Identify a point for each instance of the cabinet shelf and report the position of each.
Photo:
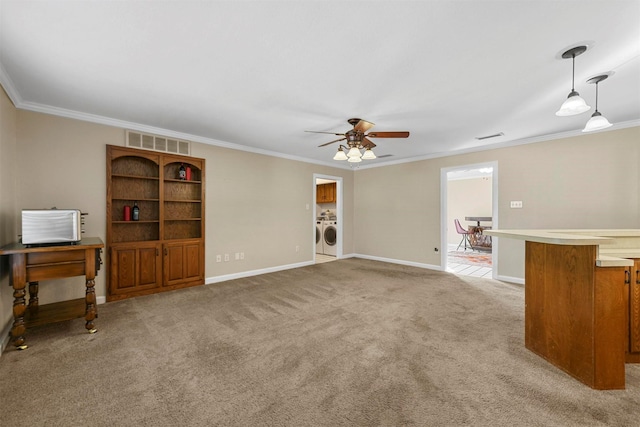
(183, 201)
(132, 199)
(152, 178)
(136, 222)
(182, 181)
(183, 219)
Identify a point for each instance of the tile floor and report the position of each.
(469, 270)
(320, 258)
(463, 269)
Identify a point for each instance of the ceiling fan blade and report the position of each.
(330, 133)
(388, 134)
(331, 142)
(363, 125)
(367, 143)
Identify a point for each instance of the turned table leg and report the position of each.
(18, 282)
(33, 297)
(90, 297)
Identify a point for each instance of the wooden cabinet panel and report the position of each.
(134, 268)
(171, 207)
(326, 193)
(183, 262)
(634, 309)
(572, 313)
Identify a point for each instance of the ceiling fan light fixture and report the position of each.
(354, 160)
(574, 104)
(368, 154)
(354, 153)
(340, 155)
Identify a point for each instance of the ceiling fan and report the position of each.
(357, 135)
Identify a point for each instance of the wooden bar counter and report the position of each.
(578, 309)
(33, 264)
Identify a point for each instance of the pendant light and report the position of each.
(574, 103)
(340, 155)
(354, 153)
(368, 154)
(597, 120)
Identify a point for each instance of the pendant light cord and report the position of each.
(596, 97)
(573, 72)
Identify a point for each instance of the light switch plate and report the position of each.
(517, 204)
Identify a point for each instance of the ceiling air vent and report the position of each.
(158, 143)
(495, 135)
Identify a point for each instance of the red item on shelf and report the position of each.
(188, 173)
(127, 213)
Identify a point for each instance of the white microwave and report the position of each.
(42, 226)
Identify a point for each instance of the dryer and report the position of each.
(319, 237)
(330, 237)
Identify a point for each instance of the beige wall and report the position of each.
(587, 181)
(256, 204)
(8, 216)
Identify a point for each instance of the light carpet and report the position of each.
(348, 343)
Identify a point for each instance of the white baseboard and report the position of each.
(101, 300)
(400, 261)
(516, 280)
(243, 274)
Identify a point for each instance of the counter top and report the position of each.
(617, 253)
(558, 237)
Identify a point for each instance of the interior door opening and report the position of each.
(469, 206)
(327, 218)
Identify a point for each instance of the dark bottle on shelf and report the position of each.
(135, 212)
(182, 172)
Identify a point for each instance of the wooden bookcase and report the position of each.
(164, 250)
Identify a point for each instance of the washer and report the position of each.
(319, 239)
(330, 237)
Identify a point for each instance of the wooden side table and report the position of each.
(33, 264)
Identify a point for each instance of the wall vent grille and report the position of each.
(158, 143)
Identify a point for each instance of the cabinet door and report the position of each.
(134, 268)
(320, 193)
(183, 262)
(634, 308)
(330, 193)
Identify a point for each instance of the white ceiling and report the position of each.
(255, 75)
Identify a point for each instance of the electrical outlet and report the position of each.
(241, 255)
(237, 256)
(226, 257)
(516, 204)
(297, 248)
(218, 258)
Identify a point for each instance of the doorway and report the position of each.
(469, 195)
(327, 218)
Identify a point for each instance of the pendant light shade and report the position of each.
(597, 120)
(340, 155)
(368, 154)
(354, 159)
(574, 103)
(353, 153)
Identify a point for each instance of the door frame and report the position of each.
(444, 224)
(339, 213)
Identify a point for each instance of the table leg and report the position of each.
(18, 282)
(33, 297)
(19, 308)
(91, 311)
